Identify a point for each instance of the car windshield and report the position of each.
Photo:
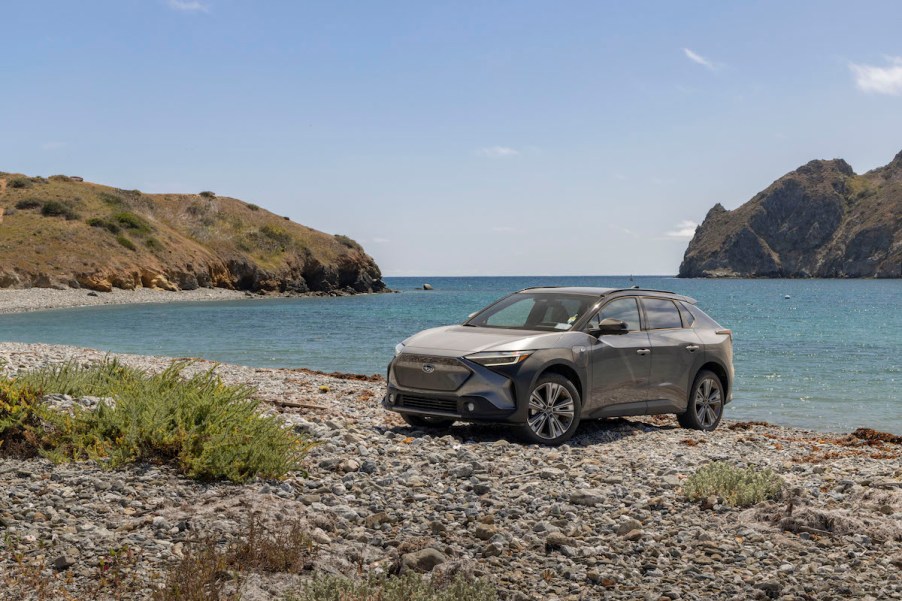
(534, 311)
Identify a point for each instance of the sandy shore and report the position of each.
(603, 517)
(39, 299)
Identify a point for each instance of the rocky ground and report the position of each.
(603, 517)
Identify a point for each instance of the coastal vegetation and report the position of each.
(206, 429)
(738, 487)
(62, 232)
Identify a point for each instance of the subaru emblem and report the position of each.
(428, 368)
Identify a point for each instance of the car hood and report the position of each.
(466, 339)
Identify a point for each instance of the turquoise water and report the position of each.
(828, 358)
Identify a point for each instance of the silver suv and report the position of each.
(545, 358)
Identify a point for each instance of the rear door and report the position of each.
(674, 352)
(619, 364)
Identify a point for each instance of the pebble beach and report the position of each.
(603, 517)
(40, 299)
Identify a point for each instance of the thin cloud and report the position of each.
(698, 59)
(498, 152)
(503, 229)
(879, 80)
(189, 6)
(685, 230)
(381, 240)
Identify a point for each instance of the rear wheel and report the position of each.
(705, 407)
(425, 421)
(554, 408)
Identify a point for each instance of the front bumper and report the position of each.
(457, 389)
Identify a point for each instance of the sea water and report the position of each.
(822, 354)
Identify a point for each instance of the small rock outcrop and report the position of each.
(821, 220)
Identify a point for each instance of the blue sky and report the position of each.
(456, 138)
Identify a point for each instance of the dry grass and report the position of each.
(212, 571)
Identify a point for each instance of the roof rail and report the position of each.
(645, 290)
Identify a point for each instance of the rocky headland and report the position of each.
(604, 517)
(62, 232)
(820, 221)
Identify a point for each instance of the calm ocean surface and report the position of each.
(828, 358)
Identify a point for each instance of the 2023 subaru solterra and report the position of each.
(543, 359)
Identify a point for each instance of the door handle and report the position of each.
(643, 351)
(692, 348)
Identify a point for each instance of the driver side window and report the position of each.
(622, 309)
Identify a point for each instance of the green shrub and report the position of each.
(60, 178)
(738, 487)
(110, 199)
(55, 208)
(19, 182)
(153, 244)
(132, 222)
(253, 207)
(105, 224)
(121, 239)
(207, 194)
(20, 419)
(207, 429)
(409, 587)
(29, 203)
(348, 242)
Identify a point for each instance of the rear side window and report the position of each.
(688, 318)
(661, 314)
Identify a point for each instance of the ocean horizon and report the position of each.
(825, 358)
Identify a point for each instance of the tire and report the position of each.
(423, 421)
(554, 411)
(706, 399)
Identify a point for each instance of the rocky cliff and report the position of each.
(62, 232)
(821, 220)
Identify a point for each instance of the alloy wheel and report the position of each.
(551, 410)
(708, 402)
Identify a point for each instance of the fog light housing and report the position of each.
(471, 406)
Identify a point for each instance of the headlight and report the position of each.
(398, 348)
(498, 358)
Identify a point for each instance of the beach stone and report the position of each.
(422, 561)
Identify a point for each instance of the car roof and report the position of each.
(601, 292)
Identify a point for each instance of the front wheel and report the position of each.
(705, 408)
(554, 408)
(425, 421)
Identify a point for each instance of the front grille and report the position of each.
(428, 404)
(427, 372)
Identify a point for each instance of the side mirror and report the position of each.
(609, 326)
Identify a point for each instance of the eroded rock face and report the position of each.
(821, 220)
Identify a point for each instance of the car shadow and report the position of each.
(589, 433)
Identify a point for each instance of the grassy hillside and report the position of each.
(60, 232)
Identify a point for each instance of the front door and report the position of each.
(619, 364)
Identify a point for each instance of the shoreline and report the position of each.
(601, 517)
(26, 300)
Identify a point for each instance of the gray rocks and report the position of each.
(588, 497)
(422, 561)
(596, 520)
